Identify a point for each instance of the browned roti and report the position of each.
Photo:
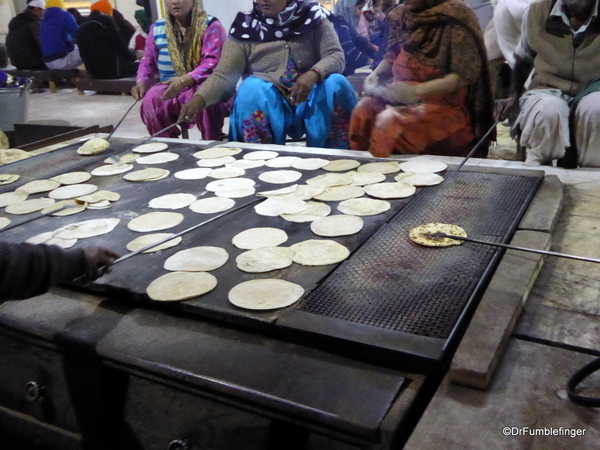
(419, 234)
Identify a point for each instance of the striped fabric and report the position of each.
(165, 67)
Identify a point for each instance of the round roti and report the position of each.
(37, 186)
(423, 166)
(277, 192)
(149, 239)
(216, 152)
(338, 225)
(313, 211)
(259, 237)
(246, 164)
(176, 286)
(261, 154)
(29, 206)
(419, 234)
(155, 221)
(151, 147)
(7, 178)
(230, 183)
(380, 167)
(364, 178)
(111, 169)
(280, 176)
(420, 179)
(319, 252)
(212, 205)
(235, 192)
(150, 174)
(304, 192)
(193, 174)
(197, 259)
(264, 259)
(72, 177)
(157, 158)
(123, 159)
(8, 198)
(281, 162)
(265, 294)
(72, 191)
(172, 201)
(70, 207)
(275, 206)
(215, 162)
(49, 238)
(226, 172)
(4, 222)
(338, 193)
(99, 196)
(363, 206)
(87, 228)
(397, 189)
(341, 165)
(93, 146)
(310, 163)
(330, 180)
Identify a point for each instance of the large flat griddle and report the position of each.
(385, 244)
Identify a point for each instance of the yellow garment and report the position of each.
(185, 50)
(55, 4)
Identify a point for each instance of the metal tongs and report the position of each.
(512, 247)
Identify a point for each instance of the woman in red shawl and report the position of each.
(431, 94)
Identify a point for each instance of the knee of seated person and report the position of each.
(251, 86)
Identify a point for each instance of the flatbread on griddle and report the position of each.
(93, 146)
(418, 234)
(7, 178)
(37, 186)
(397, 189)
(215, 162)
(72, 177)
(172, 201)
(148, 239)
(259, 237)
(264, 259)
(72, 191)
(149, 174)
(151, 147)
(216, 152)
(337, 225)
(177, 286)
(197, 259)
(212, 205)
(264, 294)
(313, 211)
(111, 169)
(157, 158)
(363, 206)
(423, 166)
(155, 221)
(319, 252)
(4, 222)
(197, 173)
(280, 176)
(341, 165)
(87, 228)
(8, 198)
(29, 206)
(380, 167)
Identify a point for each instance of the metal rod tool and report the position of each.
(514, 247)
(122, 119)
(39, 216)
(481, 141)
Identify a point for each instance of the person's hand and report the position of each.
(303, 86)
(398, 93)
(371, 84)
(504, 107)
(138, 91)
(98, 262)
(190, 109)
(175, 88)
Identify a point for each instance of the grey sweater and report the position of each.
(319, 49)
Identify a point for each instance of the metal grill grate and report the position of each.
(395, 284)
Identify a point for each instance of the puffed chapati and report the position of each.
(264, 259)
(310, 163)
(111, 169)
(93, 146)
(87, 228)
(4, 141)
(98, 196)
(155, 221)
(72, 177)
(330, 180)
(216, 152)
(275, 206)
(338, 225)
(13, 155)
(364, 178)
(172, 201)
(226, 172)
(380, 167)
(253, 238)
(8, 198)
(4, 221)
(265, 294)
(29, 206)
(149, 239)
(419, 234)
(319, 252)
(70, 207)
(177, 286)
(37, 186)
(215, 162)
(7, 178)
(280, 176)
(49, 238)
(423, 166)
(341, 165)
(197, 259)
(363, 206)
(313, 211)
(149, 174)
(72, 191)
(281, 162)
(261, 154)
(198, 173)
(157, 158)
(151, 147)
(420, 179)
(212, 205)
(396, 189)
(339, 193)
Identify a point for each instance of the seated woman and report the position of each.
(291, 60)
(101, 46)
(183, 49)
(357, 50)
(439, 100)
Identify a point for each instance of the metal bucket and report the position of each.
(14, 105)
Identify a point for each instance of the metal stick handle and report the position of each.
(179, 122)
(122, 119)
(481, 141)
(522, 249)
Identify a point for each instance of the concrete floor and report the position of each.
(557, 332)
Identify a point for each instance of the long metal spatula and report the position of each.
(513, 247)
(122, 119)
